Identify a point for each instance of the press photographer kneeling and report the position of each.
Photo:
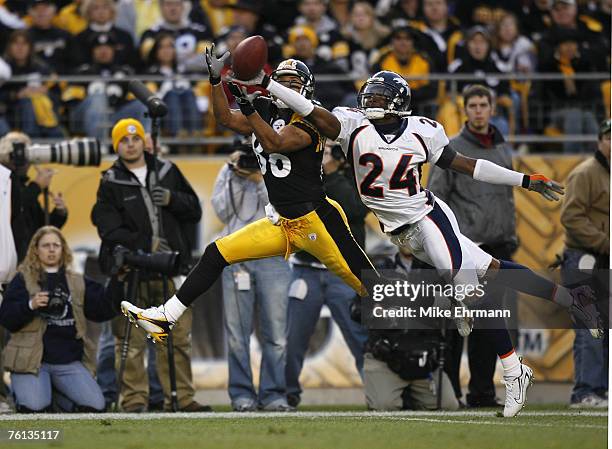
(46, 307)
(401, 365)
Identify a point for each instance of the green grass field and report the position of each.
(537, 427)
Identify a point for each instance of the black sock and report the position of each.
(519, 277)
(203, 275)
(501, 341)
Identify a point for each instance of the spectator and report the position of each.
(248, 15)
(191, 38)
(49, 352)
(183, 115)
(137, 16)
(340, 11)
(94, 105)
(32, 102)
(402, 11)
(513, 52)
(365, 34)
(50, 43)
(443, 32)
(585, 215)
(535, 18)
(170, 206)
(332, 46)
(602, 14)
(484, 12)
(485, 213)
(303, 42)
(393, 377)
(313, 285)
(27, 216)
(9, 22)
(587, 31)
(478, 61)
(252, 288)
(404, 58)
(70, 18)
(215, 12)
(571, 100)
(100, 16)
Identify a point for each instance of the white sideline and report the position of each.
(434, 416)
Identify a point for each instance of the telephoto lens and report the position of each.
(78, 152)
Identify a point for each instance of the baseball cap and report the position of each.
(604, 128)
(102, 39)
(126, 127)
(478, 29)
(567, 2)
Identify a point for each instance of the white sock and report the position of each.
(174, 308)
(511, 365)
(563, 297)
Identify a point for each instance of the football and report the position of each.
(249, 57)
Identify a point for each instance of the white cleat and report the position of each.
(153, 320)
(516, 391)
(583, 310)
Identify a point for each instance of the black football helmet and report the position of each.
(297, 68)
(390, 85)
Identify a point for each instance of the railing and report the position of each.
(538, 111)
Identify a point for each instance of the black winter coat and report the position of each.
(121, 216)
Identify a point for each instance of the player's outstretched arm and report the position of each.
(325, 121)
(483, 170)
(287, 140)
(230, 118)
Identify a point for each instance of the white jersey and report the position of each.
(388, 168)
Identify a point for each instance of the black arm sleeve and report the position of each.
(446, 158)
(101, 303)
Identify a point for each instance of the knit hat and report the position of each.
(126, 127)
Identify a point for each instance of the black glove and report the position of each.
(243, 99)
(161, 196)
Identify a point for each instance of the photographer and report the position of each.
(127, 212)
(400, 365)
(46, 308)
(239, 197)
(27, 215)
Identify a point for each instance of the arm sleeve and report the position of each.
(102, 303)
(574, 214)
(184, 203)
(220, 195)
(435, 141)
(14, 310)
(58, 218)
(349, 119)
(107, 218)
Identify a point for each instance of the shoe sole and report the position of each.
(133, 317)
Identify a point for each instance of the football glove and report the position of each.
(215, 65)
(243, 98)
(261, 79)
(544, 186)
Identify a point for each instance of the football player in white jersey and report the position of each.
(387, 147)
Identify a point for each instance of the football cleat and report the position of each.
(516, 391)
(153, 320)
(583, 310)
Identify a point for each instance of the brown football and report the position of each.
(249, 57)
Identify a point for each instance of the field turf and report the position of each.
(320, 427)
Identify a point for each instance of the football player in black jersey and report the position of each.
(299, 217)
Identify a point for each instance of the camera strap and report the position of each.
(235, 209)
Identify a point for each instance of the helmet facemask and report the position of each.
(395, 102)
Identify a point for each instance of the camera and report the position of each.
(56, 307)
(79, 152)
(246, 161)
(166, 263)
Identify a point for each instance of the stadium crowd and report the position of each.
(104, 42)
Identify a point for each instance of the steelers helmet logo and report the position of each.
(131, 129)
(278, 124)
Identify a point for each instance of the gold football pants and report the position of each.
(324, 233)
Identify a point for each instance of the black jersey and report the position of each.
(295, 177)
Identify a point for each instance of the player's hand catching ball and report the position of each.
(243, 98)
(544, 186)
(215, 65)
(261, 79)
